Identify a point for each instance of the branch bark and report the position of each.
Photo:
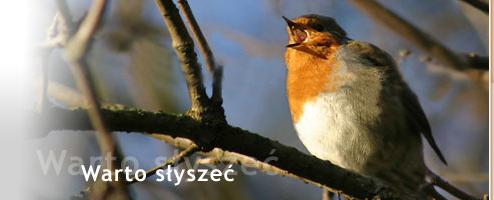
(482, 6)
(184, 48)
(214, 69)
(194, 26)
(414, 35)
(228, 138)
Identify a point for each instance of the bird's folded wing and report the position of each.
(414, 113)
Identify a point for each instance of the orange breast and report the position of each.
(308, 76)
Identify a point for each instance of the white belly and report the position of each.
(332, 128)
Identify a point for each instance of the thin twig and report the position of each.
(76, 52)
(46, 49)
(77, 49)
(438, 181)
(212, 66)
(66, 15)
(217, 97)
(175, 160)
(411, 33)
(56, 36)
(482, 6)
(196, 30)
(184, 47)
(217, 156)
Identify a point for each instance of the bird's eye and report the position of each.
(318, 27)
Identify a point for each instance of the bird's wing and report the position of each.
(415, 116)
(418, 120)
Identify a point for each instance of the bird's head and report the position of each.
(313, 31)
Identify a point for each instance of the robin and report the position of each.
(350, 106)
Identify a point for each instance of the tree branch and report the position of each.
(194, 26)
(214, 69)
(228, 138)
(414, 35)
(482, 6)
(76, 51)
(184, 47)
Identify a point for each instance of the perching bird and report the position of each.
(350, 106)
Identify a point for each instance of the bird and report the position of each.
(350, 105)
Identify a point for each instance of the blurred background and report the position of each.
(134, 65)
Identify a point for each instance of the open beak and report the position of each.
(296, 31)
(290, 23)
